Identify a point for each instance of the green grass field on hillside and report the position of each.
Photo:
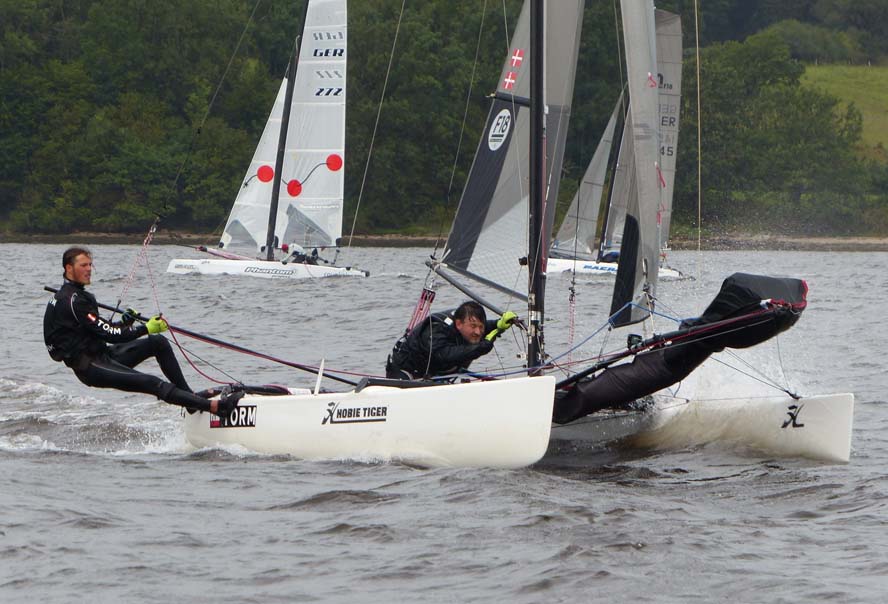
(867, 88)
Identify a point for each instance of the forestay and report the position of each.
(312, 180)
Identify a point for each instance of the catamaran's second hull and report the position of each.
(591, 267)
(496, 424)
(815, 427)
(264, 269)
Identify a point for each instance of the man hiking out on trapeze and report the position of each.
(75, 334)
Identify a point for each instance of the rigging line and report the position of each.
(376, 123)
(619, 46)
(758, 371)
(234, 347)
(140, 256)
(194, 136)
(676, 341)
(185, 353)
(699, 139)
(465, 118)
(758, 379)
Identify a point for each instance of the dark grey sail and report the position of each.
(488, 238)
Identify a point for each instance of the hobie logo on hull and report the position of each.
(353, 414)
(793, 412)
(499, 130)
(242, 417)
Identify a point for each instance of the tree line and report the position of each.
(113, 111)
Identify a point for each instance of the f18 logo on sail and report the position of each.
(499, 130)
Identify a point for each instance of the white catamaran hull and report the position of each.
(259, 268)
(590, 267)
(816, 427)
(498, 424)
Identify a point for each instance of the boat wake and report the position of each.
(39, 417)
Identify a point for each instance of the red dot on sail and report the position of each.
(294, 188)
(334, 162)
(265, 173)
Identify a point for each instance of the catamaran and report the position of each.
(498, 241)
(288, 210)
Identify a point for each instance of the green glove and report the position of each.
(156, 325)
(129, 316)
(502, 324)
(506, 321)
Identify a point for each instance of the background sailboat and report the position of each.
(292, 194)
(580, 245)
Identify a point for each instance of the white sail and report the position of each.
(312, 180)
(669, 55)
(636, 279)
(576, 237)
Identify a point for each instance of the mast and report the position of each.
(282, 141)
(537, 239)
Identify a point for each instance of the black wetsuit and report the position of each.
(434, 348)
(75, 334)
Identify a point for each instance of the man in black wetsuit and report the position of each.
(446, 343)
(75, 334)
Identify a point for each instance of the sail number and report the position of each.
(499, 129)
(333, 91)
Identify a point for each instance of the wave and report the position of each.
(37, 417)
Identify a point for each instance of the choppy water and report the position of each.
(102, 500)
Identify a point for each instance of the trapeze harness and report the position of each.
(434, 348)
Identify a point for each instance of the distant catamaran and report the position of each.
(290, 201)
(577, 246)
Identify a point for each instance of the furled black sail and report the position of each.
(748, 310)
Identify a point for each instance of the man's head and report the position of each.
(469, 321)
(77, 262)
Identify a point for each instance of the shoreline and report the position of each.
(714, 243)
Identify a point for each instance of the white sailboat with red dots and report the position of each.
(287, 217)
